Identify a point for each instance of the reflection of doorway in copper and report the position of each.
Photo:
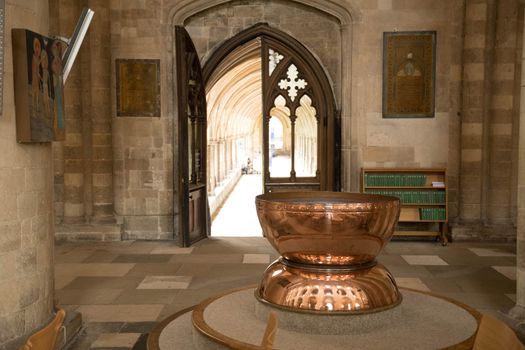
(270, 112)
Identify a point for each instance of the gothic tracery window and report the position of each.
(293, 121)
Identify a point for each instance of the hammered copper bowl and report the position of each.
(327, 228)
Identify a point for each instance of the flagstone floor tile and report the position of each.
(116, 340)
(256, 259)
(424, 260)
(120, 313)
(165, 282)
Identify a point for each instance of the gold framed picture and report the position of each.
(409, 66)
(138, 87)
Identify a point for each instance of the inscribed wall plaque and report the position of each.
(409, 74)
(138, 88)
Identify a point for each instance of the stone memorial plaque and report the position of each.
(138, 88)
(409, 66)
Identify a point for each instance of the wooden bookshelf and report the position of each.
(423, 195)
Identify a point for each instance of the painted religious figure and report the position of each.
(408, 74)
(42, 93)
(38, 96)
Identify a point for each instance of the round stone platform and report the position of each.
(237, 320)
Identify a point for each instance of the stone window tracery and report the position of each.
(274, 58)
(292, 83)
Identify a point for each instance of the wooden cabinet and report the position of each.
(423, 195)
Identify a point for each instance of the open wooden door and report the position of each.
(191, 163)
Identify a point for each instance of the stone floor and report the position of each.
(122, 289)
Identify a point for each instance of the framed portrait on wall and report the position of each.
(38, 83)
(138, 87)
(409, 69)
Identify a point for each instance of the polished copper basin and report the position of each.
(328, 242)
(318, 289)
(327, 228)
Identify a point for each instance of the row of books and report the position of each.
(414, 197)
(386, 179)
(432, 214)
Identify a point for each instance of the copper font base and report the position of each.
(335, 289)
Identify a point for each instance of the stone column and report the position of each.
(222, 162)
(476, 58)
(210, 169)
(73, 147)
(227, 157)
(216, 157)
(229, 154)
(26, 205)
(99, 109)
(502, 115)
(487, 118)
(233, 152)
(87, 150)
(518, 312)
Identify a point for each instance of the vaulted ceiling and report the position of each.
(233, 93)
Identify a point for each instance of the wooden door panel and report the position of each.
(197, 200)
(191, 165)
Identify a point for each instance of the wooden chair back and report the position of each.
(45, 339)
(494, 334)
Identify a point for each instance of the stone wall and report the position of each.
(26, 216)
(406, 142)
(143, 149)
(368, 139)
(472, 134)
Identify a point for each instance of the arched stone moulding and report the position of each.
(183, 10)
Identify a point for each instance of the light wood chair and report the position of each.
(494, 334)
(45, 339)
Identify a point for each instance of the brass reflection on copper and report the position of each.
(327, 228)
(323, 290)
(328, 242)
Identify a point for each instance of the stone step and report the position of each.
(238, 319)
(88, 232)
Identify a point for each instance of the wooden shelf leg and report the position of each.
(443, 229)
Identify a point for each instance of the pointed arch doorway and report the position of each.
(297, 131)
(297, 92)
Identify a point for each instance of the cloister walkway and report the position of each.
(237, 217)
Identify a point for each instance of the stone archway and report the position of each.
(259, 38)
(332, 19)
